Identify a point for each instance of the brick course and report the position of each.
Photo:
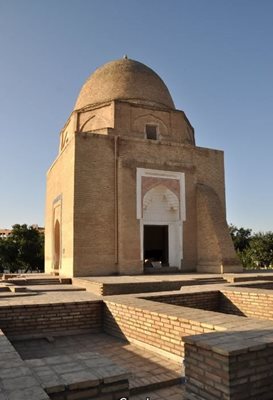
(56, 318)
(202, 300)
(153, 328)
(228, 368)
(250, 303)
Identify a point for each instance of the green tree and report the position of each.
(253, 250)
(247, 259)
(8, 255)
(261, 249)
(22, 249)
(241, 237)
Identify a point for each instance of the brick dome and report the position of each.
(124, 79)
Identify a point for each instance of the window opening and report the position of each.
(151, 132)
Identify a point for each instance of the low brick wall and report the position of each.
(249, 303)
(201, 300)
(60, 318)
(258, 285)
(112, 289)
(16, 379)
(240, 301)
(137, 286)
(234, 366)
(140, 287)
(161, 326)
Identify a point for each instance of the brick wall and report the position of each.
(51, 318)
(111, 289)
(60, 184)
(259, 285)
(153, 328)
(16, 379)
(256, 304)
(224, 370)
(203, 300)
(140, 287)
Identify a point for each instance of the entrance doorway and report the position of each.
(156, 244)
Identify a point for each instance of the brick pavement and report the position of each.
(148, 370)
(176, 392)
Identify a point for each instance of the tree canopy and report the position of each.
(254, 250)
(22, 249)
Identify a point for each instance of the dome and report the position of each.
(124, 79)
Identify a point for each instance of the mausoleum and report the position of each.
(129, 189)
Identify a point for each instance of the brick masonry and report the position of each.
(159, 326)
(41, 319)
(94, 178)
(230, 367)
(202, 300)
(227, 357)
(249, 303)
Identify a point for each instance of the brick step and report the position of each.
(208, 281)
(152, 383)
(29, 282)
(50, 281)
(173, 392)
(4, 289)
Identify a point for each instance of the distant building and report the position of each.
(129, 183)
(4, 233)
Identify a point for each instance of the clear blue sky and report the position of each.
(216, 57)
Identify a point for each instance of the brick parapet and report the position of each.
(56, 319)
(16, 379)
(230, 366)
(159, 325)
(249, 302)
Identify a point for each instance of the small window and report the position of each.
(151, 132)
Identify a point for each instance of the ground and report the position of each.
(140, 333)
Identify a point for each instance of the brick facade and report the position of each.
(228, 368)
(94, 175)
(55, 319)
(254, 303)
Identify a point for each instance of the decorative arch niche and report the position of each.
(161, 202)
(57, 244)
(57, 234)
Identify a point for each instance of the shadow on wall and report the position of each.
(111, 323)
(214, 301)
(226, 306)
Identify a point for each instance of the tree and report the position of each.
(8, 255)
(241, 237)
(22, 249)
(261, 249)
(253, 250)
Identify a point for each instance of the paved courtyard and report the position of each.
(176, 392)
(148, 371)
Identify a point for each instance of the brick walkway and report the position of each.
(148, 370)
(176, 392)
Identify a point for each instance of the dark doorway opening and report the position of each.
(156, 244)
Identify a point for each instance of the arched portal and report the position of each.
(161, 226)
(161, 210)
(57, 245)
